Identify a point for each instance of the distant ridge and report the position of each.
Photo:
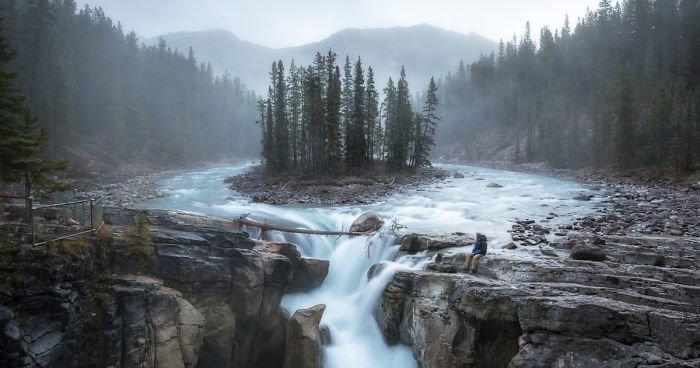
(423, 49)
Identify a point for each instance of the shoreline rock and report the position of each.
(639, 306)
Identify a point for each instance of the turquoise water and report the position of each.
(456, 205)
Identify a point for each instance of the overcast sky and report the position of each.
(282, 23)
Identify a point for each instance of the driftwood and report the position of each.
(244, 220)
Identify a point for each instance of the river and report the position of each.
(457, 205)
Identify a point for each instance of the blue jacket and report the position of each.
(480, 247)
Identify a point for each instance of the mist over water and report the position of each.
(456, 205)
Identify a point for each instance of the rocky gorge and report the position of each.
(202, 295)
(617, 288)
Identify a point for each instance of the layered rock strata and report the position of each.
(211, 298)
(537, 307)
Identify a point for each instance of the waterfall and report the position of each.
(351, 299)
(458, 205)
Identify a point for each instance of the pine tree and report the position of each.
(21, 140)
(357, 149)
(270, 160)
(333, 106)
(281, 124)
(427, 127)
(347, 105)
(404, 118)
(372, 116)
(314, 121)
(295, 94)
(390, 124)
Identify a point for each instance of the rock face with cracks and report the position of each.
(304, 342)
(211, 299)
(237, 284)
(637, 307)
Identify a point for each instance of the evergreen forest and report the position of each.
(105, 98)
(319, 121)
(619, 90)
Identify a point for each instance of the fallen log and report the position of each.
(244, 220)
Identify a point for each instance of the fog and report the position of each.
(552, 95)
(278, 24)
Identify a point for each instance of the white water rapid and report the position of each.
(464, 205)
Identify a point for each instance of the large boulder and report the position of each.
(309, 275)
(588, 252)
(304, 342)
(367, 222)
(413, 243)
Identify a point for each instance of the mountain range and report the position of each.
(424, 50)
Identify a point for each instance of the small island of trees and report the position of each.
(318, 122)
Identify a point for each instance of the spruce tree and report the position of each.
(281, 124)
(333, 117)
(427, 127)
(357, 150)
(294, 101)
(372, 116)
(391, 127)
(404, 119)
(22, 141)
(347, 105)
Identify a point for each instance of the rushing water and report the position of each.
(464, 205)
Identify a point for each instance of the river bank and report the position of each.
(634, 203)
(628, 205)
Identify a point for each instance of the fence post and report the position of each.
(30, 215)
(92, 215)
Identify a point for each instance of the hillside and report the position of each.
(424, 50)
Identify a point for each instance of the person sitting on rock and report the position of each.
(479, 250)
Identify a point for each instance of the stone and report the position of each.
(458, 175)
(510, 245)
(326, 338)
(192, 326)
(167, 236)
(183, 265)
(494, 185)
(588, 252)
(304, 341)
(367, 222)
(413, 243)
(377, 268)
(583, 197)
(570, 243)
(309, 275)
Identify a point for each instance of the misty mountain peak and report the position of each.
(425, 51)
